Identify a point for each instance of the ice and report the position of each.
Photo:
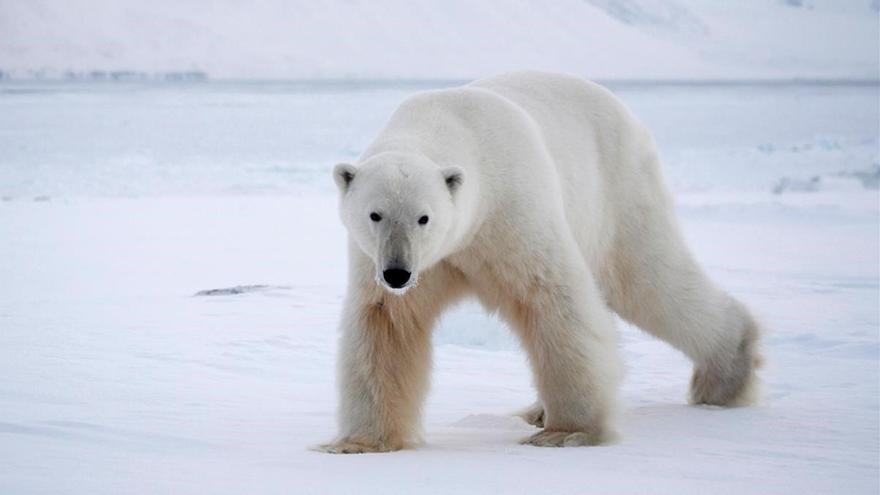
(237, 290)
(122, 203)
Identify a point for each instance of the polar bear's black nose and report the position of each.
(396, 277)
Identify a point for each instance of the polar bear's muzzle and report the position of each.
(396, 278)
(395, 260)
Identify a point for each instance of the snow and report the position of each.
(122, 204)
(399, 39)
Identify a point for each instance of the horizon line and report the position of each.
(445, 81)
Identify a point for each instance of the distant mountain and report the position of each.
(380, 39)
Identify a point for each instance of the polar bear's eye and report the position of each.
(375, 217)
(423, 220)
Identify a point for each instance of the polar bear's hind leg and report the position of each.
(728, 378)
(657, 285)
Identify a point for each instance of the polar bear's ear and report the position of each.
(343, 174)
(454, 177)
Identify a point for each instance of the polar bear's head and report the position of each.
(398, 209)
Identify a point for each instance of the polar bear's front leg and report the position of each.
(385, 357)
(570, 337)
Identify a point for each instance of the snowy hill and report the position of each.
(332, 39)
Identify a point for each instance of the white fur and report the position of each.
(556, 217)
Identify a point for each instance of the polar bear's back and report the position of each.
(582, 123)
(604, 158)
(579, 123)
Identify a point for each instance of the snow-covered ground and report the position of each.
(120, 203)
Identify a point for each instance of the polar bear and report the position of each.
(541, 195)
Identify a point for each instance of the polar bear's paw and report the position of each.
(547, 438)
(353, 447)
(729, 379)
(533, 415)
